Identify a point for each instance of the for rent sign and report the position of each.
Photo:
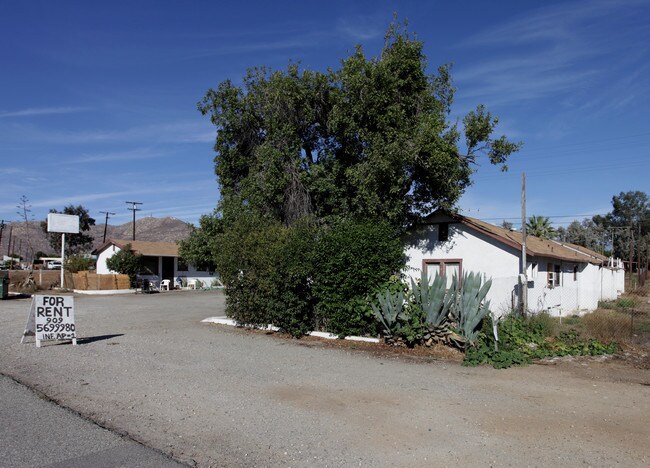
(51, 318)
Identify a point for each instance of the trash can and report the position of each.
(4, 284)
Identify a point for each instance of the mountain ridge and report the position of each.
(167, 229)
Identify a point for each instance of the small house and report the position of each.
(160, 261)
(562, 278)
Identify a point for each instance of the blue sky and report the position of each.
(98, 99)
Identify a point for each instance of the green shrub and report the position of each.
(293, 303)
(125, 262)
(542, 323)
(626, 303)
(76, 263)
(351, 260)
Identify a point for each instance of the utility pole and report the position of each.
(631, 234)
(107, 213)
(524, 269)
(134, 208)
(638, 258)
(2, 228)
(11, 228)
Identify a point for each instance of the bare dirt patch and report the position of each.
(631, 365)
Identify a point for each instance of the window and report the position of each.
(553, 275)
(443, 232)
(149, 265)
(449, 267)
(182, 265)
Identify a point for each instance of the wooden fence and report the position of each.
(83, 280)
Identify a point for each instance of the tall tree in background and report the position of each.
(24, 211)
(585, 233)
(75, 243)
(540, 226)
(628, 224)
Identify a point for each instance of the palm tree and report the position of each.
(540, 226)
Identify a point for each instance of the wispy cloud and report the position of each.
(300, 42)
(169, 132)
(131, 155)
(570, 52)
(42, 111)
(555, 23)
(362, 28)
(74, 199)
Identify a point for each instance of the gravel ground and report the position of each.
(217, 396)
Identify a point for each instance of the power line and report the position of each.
(555, 216)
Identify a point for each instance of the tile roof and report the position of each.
(535, 246)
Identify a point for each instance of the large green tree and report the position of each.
(320, 172)
(74, 243)
(370, 140)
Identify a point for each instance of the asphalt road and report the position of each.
(37, 433)
(212, 395)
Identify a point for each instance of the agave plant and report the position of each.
(472, 306)
(438, 305)
(431, 298)
(391, 306)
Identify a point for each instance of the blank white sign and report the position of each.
(63, 223)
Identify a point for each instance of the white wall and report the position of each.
(481, 253)
(101, 267)
(205, 277)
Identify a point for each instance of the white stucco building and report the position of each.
(160, 261)
(563, 278)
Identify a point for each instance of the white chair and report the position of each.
(164, 284)
(191, 284)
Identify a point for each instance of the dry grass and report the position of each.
(608, 325)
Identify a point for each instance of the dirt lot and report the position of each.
(217, 396)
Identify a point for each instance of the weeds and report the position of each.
(521, 341)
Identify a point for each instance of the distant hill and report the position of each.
(148, 229)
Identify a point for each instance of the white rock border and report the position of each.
(317, 334)
(103, 292)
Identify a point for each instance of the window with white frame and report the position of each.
(553, 275)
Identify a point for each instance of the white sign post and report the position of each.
(51, 318)
(63, 223)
